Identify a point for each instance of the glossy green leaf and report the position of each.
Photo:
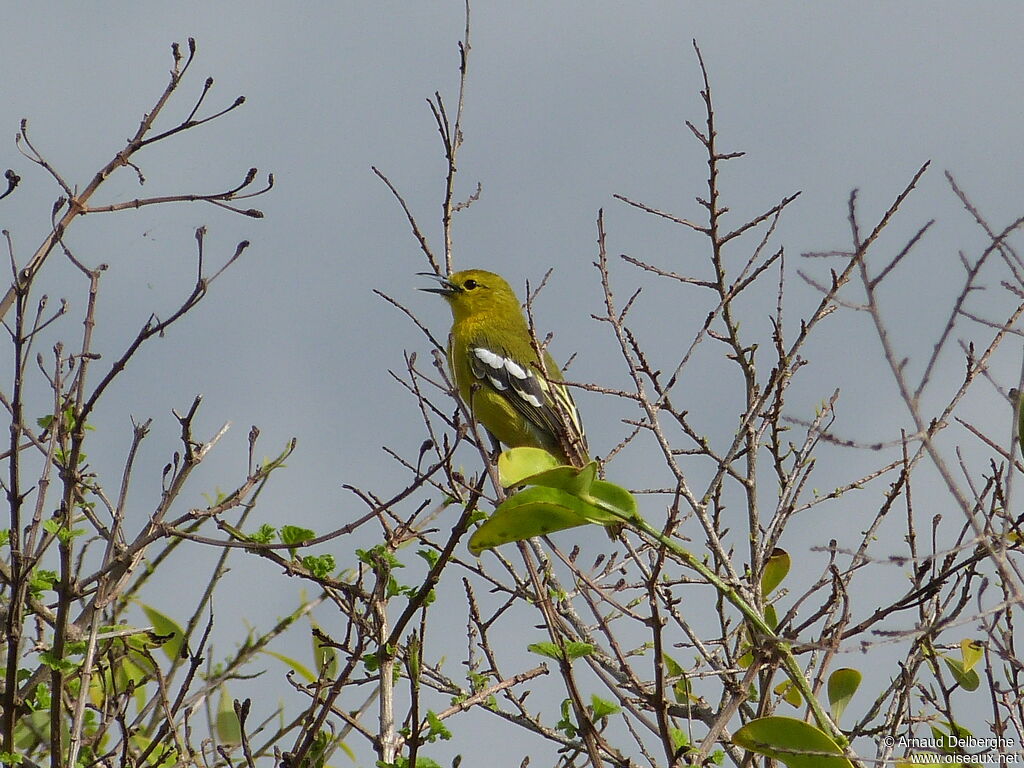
(971, 652)
(775, 570)
(535, 511)
(534, 466)
(842, 684)
(949, 741)
(325, 656)
(294, 535)
(967, 678)
(674, 668)
(559, 496)
(229, 729)
(602, 707)
(681, 687)
(519, 524)
(436, 729)
(680, 740)
(565, 478)
(615, 499)
(549, 649)
(789, 693)
(573, 650)
(164, 625)
(517, 464)
(582, 507)
(792, 742)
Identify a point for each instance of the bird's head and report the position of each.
(475, 293)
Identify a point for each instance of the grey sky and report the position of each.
(567, 104)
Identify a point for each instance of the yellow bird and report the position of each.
(498, 372)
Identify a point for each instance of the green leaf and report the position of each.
(32, 730)
(75, 647)
(792, 742)
(551, 650)
(56, 528)
(577, 650)
(437, 729)
(789, 693)
(293, 535)
(301, 669)
(950, 742)
(346, 749)
(517, 464)
(775, 570)
(522, 518)
(163, 756)
(573, 650)
(566, 724)
(842, 684)
(537, 511)
(430, 555)
(164, 625)
(264, 535)
(971, 651)
(49, 658)
(680, 740)
(770, 618)
(614, 498)
(316, 757)
(229, 729)
(379, 557)
(536, 467)
(967, 678)
(602, 708)
(41, 580)
(41, 699)
(674, 668)
(321, 566)
(572, 480)
(681, 687)
(325, 656)
(134, 671)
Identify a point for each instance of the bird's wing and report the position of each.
(545, 403)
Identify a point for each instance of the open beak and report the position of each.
(445, 287)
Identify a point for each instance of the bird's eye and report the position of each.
(470, 284)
